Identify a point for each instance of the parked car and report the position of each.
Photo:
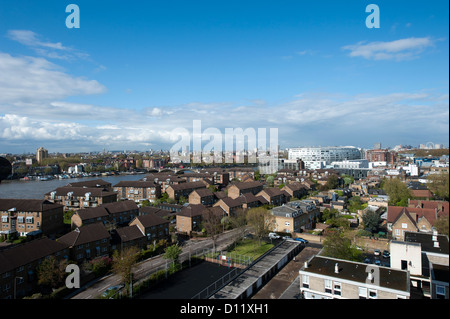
(109, 292)
(377, 262)
(376, 252)
(367, 260)
(302, 240)
(273, 236)
(386, 254)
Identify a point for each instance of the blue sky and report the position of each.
(135, 70)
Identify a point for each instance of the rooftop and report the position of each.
(357, 272)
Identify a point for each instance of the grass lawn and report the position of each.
(250, 248)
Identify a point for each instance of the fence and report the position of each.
(187, 259)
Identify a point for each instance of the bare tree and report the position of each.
(212, 224)
(239, 222)
(261, 220)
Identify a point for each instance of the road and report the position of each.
(144, 268)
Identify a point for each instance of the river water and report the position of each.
(36, 189)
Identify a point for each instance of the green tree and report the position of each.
(371, 221)
(328, 214)
(438, 184)
(355, 204)
(441, 225)
(397, 191)
(172, 253)
(269, 180)
(332, 182)
(339, 245)
(51, 272)
(123, 263)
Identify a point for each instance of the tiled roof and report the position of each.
(29, 252)
(85, 234)
(27, 205)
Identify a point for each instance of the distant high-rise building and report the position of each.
(377, 146)
(41, 154)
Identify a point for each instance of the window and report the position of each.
(4, 219)
(372, 294)
(440, 292)
(328, 286)
(404, 264)
(362, 292)
(337, 288)
(29, 220)
(305, 281)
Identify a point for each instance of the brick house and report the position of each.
(413, 219)
(274, 196)
(74, 198)
(138, 190)
(30, 216)
(237, 189)
(116, 213)
(295, 189)
(176, 191)
(230, 205)
(189, 219)
(18, 265)
(152, 226)
(87, 242)
(202, 196)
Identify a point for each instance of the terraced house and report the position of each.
(87, 242)
(18, 265)
(183, 190)
(117, 213)
(22, 217)
(138, 190)
(74, 198)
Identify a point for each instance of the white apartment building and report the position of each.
(330, 278)
(311, 155)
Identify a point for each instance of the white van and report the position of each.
(273, 236)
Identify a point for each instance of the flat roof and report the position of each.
(357, 272)
(249, 277)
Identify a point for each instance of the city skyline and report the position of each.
(134, 72)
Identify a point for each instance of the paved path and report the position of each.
(284, 285)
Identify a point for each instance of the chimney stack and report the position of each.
(336, 268)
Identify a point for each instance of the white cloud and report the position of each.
(403, 49)
(52, 50)
(319, 118)
(30, 79)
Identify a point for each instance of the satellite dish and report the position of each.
(5, 168)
